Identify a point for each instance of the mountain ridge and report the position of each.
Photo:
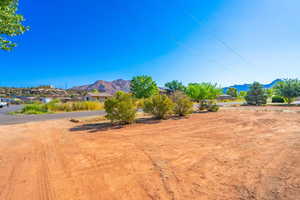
(110, 87)
(245, 87)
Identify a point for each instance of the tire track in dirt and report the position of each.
(167, 176)
(45, 191)
(9, 190)
(226, 156)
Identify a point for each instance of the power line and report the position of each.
(222, 42)
(172, 38)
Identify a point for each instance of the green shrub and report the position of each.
(213, 108)
(160, 106)
(182, 104)
(277, 99)
(121, 108)
(204, 105)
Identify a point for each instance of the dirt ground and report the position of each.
(229, 155)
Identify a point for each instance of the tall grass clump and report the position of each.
(34, 109)
(57, 106)
(74, 106)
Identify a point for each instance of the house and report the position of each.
(166, 91)
(97, 96)
(46, 99)
(26, 99)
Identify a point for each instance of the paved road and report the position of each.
(11, 108)
(6, 119)
(229, 103)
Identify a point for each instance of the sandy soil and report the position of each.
(232, 154)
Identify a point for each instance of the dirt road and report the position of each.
(230, 155)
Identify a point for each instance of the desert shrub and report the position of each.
(277, 99)
(140, 103)
(160, 106)
(213, 108)
(121, 108)
(256, 95)
(182, 104)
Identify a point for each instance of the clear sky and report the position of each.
(224, 41)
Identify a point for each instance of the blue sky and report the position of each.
(224, 41)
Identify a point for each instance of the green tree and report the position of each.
(175, 86)
(10, 23)
(121, 108)
(288, 89)
(232, 92)
(256, 95)
(270, 92)
(203, 92)
(160, 106)
(242, 93)
(143, 87)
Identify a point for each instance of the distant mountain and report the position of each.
(110, 87)
(245, 87)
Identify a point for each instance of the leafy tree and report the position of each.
(175, 86)
(10, 23)
(143, 87)
(201, 92)
(288, 89)
(160, 106)
(232, 92)
(242, 93)
(270, 92)
(182, 104)
(256, 95)
(121, 108)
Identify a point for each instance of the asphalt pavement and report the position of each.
(6, 118)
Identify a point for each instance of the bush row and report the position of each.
(122, 108)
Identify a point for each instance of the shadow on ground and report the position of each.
(105, 126)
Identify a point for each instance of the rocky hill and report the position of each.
(110, 87)
(46, 91)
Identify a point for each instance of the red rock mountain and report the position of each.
(110, 87)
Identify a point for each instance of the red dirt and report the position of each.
(229, 155)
